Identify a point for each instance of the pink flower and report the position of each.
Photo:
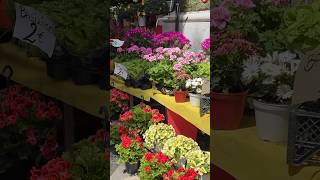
(119, 50)
(247, 4)
(220, 17)
(177, 67)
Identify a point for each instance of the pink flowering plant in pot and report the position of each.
(119, 103)
(27, 123)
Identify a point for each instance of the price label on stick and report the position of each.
(34, 28)
(121, 70)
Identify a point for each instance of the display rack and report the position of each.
(185, 110)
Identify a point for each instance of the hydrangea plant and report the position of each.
(199, 161)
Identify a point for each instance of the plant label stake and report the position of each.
(121, 71)
(34, 28)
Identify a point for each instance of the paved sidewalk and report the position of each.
(116, 170)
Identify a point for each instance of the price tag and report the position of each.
(116, 43)
(206, 86)
(121, 70)
(34, 28)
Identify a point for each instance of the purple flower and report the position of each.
(133, 48)
(205, 44)
(170, 39)
(219, 17)
(247, 4)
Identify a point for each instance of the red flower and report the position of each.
(191, 172)
(48, 150)
(181, 169)
(148, 156)
(31, 137)
(161, 158)
(168, 175)
(126, 116)
(55, 169)
(157, 117)
(147, 109)
(125, 141)
(122, 130)
(147, 169)
(138, 139)
(133, 132)
(12, 119)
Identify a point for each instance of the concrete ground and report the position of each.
(116, 170)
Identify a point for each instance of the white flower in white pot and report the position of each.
(195, 89)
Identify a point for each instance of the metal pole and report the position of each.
(177, 15)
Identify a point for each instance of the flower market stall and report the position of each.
(160, 101)
(261, 52)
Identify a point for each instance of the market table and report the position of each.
(185, 110)
(243, 155)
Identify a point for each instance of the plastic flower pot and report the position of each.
(5, 20)
(132, 168)
(271, 121)
(195, 99)
(58, 69)
(83, 74)
(227, 110)
(181, 126)
(180, 96)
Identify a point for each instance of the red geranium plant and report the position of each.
(119, 103)
(27, 123)
(153, 166)
(141, 117)
(130, 149)
(55, 169)
(180, 174)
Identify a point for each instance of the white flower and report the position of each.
(199, 79)
(251, 70)
(271, 69)
(268, 80)
(194, 83)
(284, 91)
(199, 90)
(188, 83)
(287, 56)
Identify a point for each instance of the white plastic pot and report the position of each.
(195, 99)
(142, 21)
(271, 121)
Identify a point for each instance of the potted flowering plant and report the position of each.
(199, 161)
(27, 122)
(273, 77)
(119, 103)
(116, 130)
(130, 152)
(177, 148)
(180, 173)
(157, 135)
(139, 36)
(229, 93)
(141, 117)
(195, 88)
(58, 168)
(180, 92)
(171, 40)
(153, 166)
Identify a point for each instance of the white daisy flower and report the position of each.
(287, 56)
(268, 80)
(271, 69)
(188, 83)
(199, 90)
(250, 70)
(284, 91)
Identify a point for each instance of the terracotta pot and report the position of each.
(227, 110)
(5, 20)
(180, 96)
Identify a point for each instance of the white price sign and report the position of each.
(121, 70)
(34, 28)
(116, 43)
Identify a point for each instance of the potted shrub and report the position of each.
(136, 69)
(180, 93)
(195, 88)
(153, 166)
(177, 148)
(157, 135)
(229, 93)
(130, 152)
(274, 78)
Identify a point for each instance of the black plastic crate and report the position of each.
(204, 105)
(303, 137)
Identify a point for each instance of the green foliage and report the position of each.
(87, 161)
(136, 68)
(193, 5)
(162, 73)
(202, 70)
(114, 135)
(156, 7)
(140, 121)
(132, 154)
(302, 31)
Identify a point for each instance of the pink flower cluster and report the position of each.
(119, 100)
(139, 50)
(171, 39)
(49, 149)
(246, 4)
(57, 169)
(220, 16)
(140, 32)
(205, 44)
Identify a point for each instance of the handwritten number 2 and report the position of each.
(27, 38)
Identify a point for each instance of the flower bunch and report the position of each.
(171, 39)
(139, 36)
(273, 76)
(180, 174)
(220, 16)
(205, 45)
(130, 149)
(177, 147)
(49, 148)
(141, 117)
(157, 135)
(180, 79)
(153, 166)
(116, 130)
(194, 85)
(119, 101)
(55, 169)
(199, 161)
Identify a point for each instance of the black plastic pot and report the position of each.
(5, 36)
(20, 170)
(58, 69)
(84, 76)
(131, 168)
